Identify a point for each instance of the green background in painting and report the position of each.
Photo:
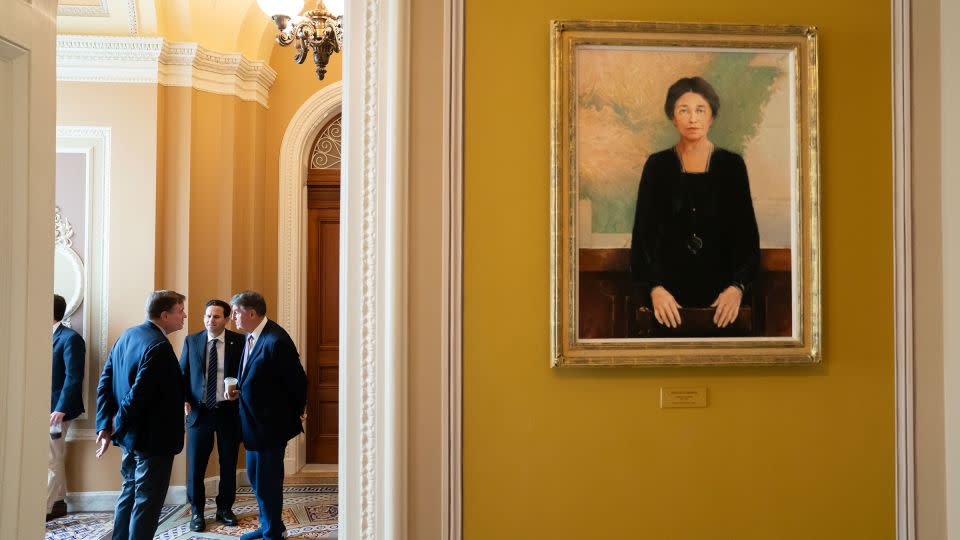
(744, 86)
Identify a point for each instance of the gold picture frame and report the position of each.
(610, 112)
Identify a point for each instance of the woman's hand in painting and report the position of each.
(665, 307)
(728, 306)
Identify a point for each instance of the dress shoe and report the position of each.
(197, 523)
(252, 535)
(227, 517)
(58, 511)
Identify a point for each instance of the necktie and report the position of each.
(211, 398)
(246, 354)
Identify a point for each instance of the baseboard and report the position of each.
(106, 501)
(211, 484)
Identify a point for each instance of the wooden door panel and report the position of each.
(323, 325)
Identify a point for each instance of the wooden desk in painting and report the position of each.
(611, 306)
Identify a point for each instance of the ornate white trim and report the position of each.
(190, 65)
(903, 274)
(62, 229)
(111, 59)
(451, 511)
(108, 59)
(133, 25)
(373, 266)
(84, 11)
(64, 252)
(95, 143)
(291, 272)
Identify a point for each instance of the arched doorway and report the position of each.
(322, 307)
(295, 154)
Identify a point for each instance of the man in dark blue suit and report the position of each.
(139, 408)
(272, 397)
(66, 403)
(208, 357)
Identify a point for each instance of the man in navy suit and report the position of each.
(272, 397)
(66, 403)
(139, 408)
(208, 357)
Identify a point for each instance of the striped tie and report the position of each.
(246, 355)
(211, 399)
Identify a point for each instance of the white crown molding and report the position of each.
(84, 11)
(190, 65)
(111, 59)
(108, 59)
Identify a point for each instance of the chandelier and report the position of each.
(320, 29)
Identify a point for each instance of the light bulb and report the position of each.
(334, 6)
(290, 8)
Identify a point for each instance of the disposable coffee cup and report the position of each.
(56, 431)
(230, 384)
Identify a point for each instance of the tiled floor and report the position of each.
(309, 511)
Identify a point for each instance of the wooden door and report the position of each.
(323, 306)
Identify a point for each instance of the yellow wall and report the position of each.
(784, 453)
(210, 232)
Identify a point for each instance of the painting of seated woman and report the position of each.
(687, 176)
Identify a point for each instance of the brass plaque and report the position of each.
(687, 397)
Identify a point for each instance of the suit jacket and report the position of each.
(69, 358)
(193, 365)
(273, 391)
(141, 388)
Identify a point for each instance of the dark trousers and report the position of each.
(223, 421)
(145, 482)
(265, 471)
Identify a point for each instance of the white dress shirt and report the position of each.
(250, 345)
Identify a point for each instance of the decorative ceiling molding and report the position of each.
(83, 10)
(108, 59)
(133, 24)
(188, 64)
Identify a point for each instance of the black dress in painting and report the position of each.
(694, 233)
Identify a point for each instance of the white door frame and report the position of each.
(903, 271)
(373, 267)
(27, 152)
(292, 241)
(373, 270)
(373, 262)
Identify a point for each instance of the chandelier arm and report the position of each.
(317, 29)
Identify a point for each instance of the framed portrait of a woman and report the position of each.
(685, 185)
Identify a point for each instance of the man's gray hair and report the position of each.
(250, 300)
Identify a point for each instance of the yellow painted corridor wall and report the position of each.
(780, 453)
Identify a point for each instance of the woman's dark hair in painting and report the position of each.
(691, 84)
